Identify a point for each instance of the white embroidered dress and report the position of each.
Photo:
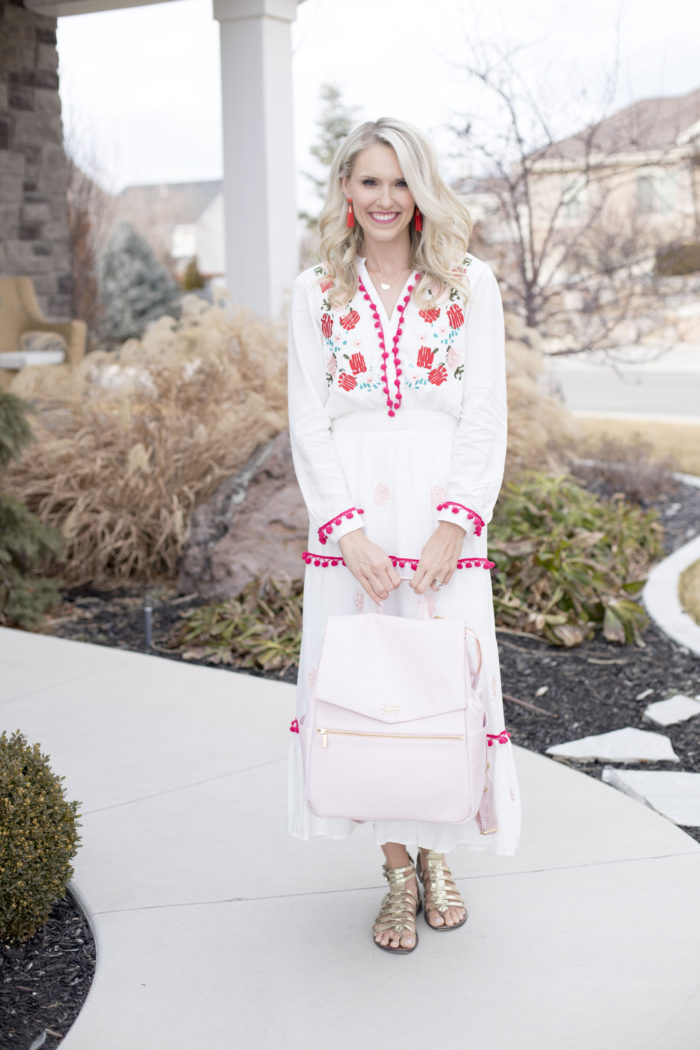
(393, 444)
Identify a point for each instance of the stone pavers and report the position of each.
(620, 745)
(675, 709)
(673, 795)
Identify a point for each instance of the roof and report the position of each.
(650, 124)
(181, 202)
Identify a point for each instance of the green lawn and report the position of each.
(689, 591)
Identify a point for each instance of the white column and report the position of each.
(259, 200)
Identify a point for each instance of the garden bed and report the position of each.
(585, 690)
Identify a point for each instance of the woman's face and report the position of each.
(381, 200)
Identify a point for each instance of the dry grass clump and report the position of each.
(629, 467)
(130, 442)
(540, 427)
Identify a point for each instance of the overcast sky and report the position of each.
(141, 95)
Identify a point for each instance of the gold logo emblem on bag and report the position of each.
(388, 710)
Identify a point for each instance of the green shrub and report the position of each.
(261, 628)
(192, 278)
(677, 259)
(38, 838)
(25, 543)
(568, 563)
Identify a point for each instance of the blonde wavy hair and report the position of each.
(437, 252)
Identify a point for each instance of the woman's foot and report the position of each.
(394, 928)
(444, 907)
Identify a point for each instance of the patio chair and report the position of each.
(23, 330)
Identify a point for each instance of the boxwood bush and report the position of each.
(38, 838)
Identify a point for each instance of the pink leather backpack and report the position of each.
(395, 730)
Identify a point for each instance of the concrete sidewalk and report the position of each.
(214, 929)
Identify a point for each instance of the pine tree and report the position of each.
(134, 287)
(334, 125)
(25, 543)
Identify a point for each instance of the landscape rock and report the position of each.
(673, 795)
(254, 526)
(621, 745)
(676, 709)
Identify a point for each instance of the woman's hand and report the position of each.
(439, 557)
(369, 564)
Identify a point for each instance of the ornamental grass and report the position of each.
(130, 442)
(541, 430)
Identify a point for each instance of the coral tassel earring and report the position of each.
(350, 218)
(418, 219)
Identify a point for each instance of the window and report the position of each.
(657, 192)
(574, 196)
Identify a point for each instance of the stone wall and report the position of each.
(33, 166)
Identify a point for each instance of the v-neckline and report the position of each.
(367, 278)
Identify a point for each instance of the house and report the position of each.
(179, 220)
(637, 171)
(631, 180)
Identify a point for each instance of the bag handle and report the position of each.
(426, 616)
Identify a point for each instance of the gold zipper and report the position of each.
(392, 736)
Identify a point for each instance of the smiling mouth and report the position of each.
(384, 217)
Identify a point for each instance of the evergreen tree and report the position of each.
(134, 287)
(335, 124)
(25, 543)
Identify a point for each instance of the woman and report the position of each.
(398, 427)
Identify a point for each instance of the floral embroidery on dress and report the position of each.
(382, 495)
(359, 599)
(346, 366)
(455, 316)
(357, 363)
(438, 375)
(311, 676)
(425, 357)
(430, 602)
(324, 280)
(454, 358)
(438, 494)
(437, 354)
(350, 320)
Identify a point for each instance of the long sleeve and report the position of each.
(316, 462)
(479, 449)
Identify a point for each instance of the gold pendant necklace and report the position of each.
(382, 284)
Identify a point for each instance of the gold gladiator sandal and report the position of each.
(440, 890)
(399, 908)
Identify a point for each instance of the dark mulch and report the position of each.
(45, 980)
(590, 689)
